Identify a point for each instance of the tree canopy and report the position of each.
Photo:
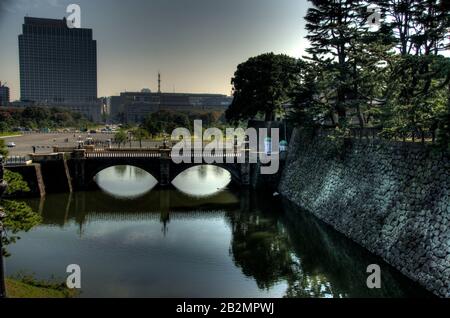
(19, 216)
(120, 137)
(394, 77)
(165, 122)
(39, 117)
(3, 149)
(140, 134)
(262, 85)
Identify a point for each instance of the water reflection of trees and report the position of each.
(120, 170)
(302, 285)
(134, 172)
(202, 172)
(218, 171)
(140, 173)
(259, 248)
(314, 260)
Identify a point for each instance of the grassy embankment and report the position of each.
(7, 134)
(27, 287)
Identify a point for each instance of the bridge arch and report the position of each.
(92, 171)
(85, 166)
(177, 169)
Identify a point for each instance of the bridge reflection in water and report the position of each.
(281, 249)
(163, 204)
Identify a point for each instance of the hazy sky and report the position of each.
(196, 44)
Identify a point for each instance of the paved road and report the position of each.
(44, 142)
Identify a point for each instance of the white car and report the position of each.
(11, 144)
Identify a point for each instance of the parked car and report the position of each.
(11, 144)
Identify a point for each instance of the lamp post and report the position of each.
(3, 186)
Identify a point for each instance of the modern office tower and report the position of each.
(58, 66)
(4, 95)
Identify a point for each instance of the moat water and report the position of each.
(203, 238)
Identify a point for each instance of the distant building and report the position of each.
(115, 108)
(4, 95)
(136, 106)
(58, 66)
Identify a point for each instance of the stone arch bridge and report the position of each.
(82, 165)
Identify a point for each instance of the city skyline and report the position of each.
(193, 44)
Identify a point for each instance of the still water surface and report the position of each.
(200, 239)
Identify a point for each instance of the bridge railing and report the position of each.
(57, 149)
(124, 149)
(155, 153)
(212, 154)
(16, 161)
(122, 154)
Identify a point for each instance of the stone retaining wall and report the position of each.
(391, 198)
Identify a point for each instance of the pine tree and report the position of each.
(443, 126)
(343, 46)
(417, 86)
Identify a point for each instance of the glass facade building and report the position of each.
(4, 95)
(58, 65)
